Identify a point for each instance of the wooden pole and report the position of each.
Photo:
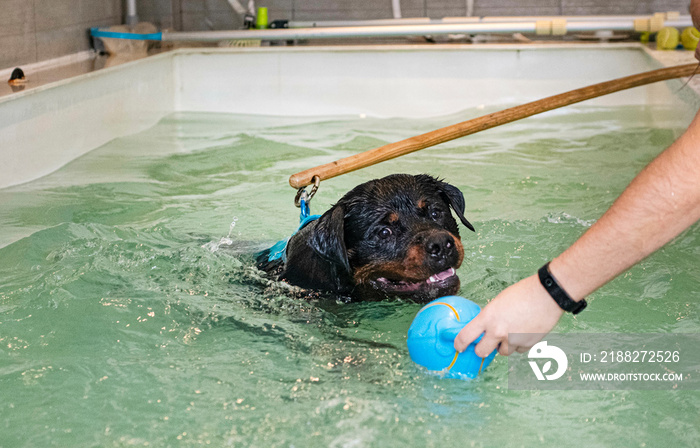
(392, 150)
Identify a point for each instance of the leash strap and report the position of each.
(279, 250)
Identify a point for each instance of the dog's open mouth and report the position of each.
(441, 281)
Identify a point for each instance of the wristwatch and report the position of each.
(560, 296)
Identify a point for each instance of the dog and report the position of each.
(389, 237)
(17, 77)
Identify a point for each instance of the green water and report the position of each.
(131, 314)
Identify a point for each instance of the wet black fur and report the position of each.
(17, 74)
(324, 254)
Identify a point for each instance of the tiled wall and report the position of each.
(36, 30)
(191, 15)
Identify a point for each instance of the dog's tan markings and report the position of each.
(411, 268)
(421, 203)
(460, 250)
(393, 217)
(372, 271)
(414, 258)
(393, 270)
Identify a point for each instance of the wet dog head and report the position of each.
(395, 236)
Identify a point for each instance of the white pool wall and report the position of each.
(402, 81)
(42, 129)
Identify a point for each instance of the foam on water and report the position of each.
(131, 313)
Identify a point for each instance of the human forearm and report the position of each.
(662, 201)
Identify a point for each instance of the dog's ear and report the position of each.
(328, 238)
(455, 199)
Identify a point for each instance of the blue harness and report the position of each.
(279, 250)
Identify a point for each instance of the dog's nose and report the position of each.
(440, 247)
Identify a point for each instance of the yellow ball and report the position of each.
(690, 38)
(667, 38)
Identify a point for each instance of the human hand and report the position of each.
(524, 308)
(694, 10)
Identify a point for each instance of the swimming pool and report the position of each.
(130, 313)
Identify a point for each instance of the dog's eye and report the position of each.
(436, 214)
(385, 232)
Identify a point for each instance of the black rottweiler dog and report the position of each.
(388, 237)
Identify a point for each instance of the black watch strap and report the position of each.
(560, 296)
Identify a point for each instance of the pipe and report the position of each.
(491, 19)
(396, 8)
(132, 18)
(488, 19)
(240, 9)
(236, 5)
(533, 27)
(96, 32)
(396, 31)
(470, 8)
(376, 22)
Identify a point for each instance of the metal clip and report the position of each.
(303, 195)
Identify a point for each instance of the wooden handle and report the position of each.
(392, 150)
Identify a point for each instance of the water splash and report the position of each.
(566, 218)
(224, 241)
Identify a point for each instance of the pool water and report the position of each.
(131, 313)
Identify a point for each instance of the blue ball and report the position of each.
(432, 334)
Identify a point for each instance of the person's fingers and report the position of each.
(469, 334)
(487, 345)
(522, 349)
(697, 52)
(505, 349)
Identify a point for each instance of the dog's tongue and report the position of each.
(408, 287)
(441, 276)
